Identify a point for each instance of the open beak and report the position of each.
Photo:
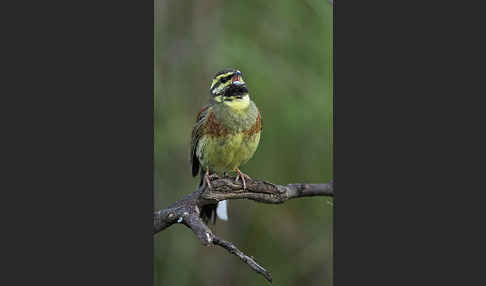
(237, 79)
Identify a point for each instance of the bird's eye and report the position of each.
(225, 79)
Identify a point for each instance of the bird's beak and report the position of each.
(237, 79)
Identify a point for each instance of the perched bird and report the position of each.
(226, 134)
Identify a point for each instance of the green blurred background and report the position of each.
(284, 50)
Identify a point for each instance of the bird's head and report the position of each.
(228, 87)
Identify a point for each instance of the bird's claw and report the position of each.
(242, 176)
(209, 177)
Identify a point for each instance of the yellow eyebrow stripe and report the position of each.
(219, 77)
(223, 75)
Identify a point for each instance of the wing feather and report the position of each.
(197, 132)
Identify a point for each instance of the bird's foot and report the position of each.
(208, 177)
(242, 176)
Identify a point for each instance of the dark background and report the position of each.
(78, 142)
(284, 50)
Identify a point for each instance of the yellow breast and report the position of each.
(226, 153)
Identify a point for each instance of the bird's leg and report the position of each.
(242, 176)
(208, 177)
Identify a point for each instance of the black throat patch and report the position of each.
(236, 90)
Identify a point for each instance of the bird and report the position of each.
(225, 136)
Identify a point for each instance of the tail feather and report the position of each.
(208, 212)
(222, 210)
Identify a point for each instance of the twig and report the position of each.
(248, 260)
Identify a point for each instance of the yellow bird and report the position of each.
(226, 133)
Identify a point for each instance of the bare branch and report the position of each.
(263, 192)
(248, 260)
(187, 210)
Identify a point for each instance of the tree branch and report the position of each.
(187, 210)
(248, 260)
